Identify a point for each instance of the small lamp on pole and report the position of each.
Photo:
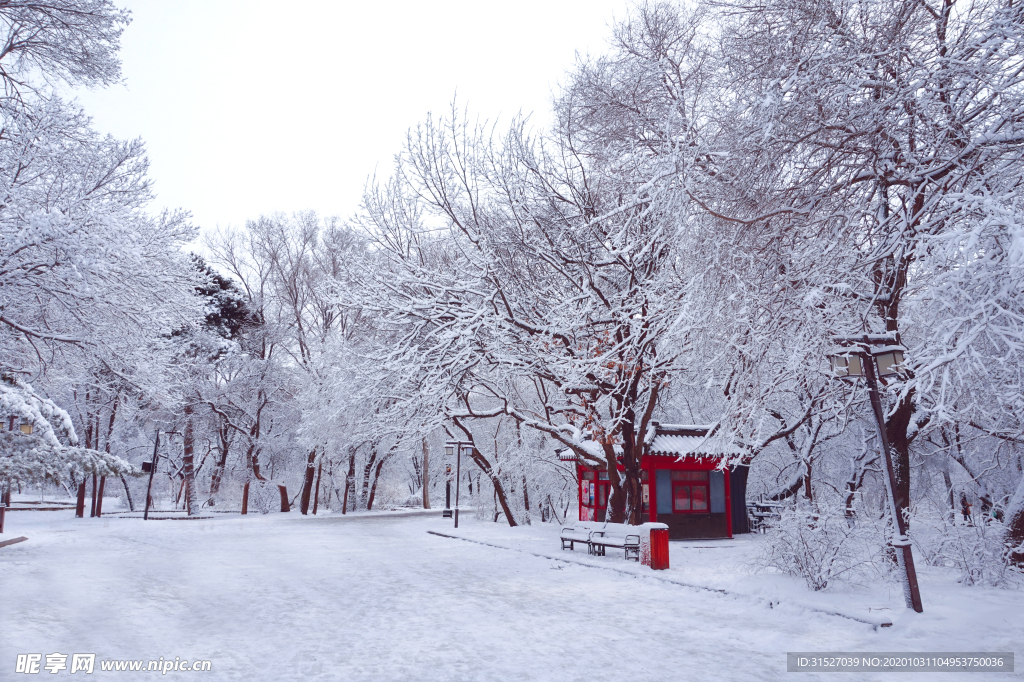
(151, 468)
(455, 447)
(874, 357)
(447, 487)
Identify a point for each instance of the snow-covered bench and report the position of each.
(619, 536)
(573, 534)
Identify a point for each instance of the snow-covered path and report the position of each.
(283, 597)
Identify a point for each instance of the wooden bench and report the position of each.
(617, 537)
(573, 534)
(764, 513)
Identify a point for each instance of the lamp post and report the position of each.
(152, 470)
(860, 357)
(455, 447)
(447, 490)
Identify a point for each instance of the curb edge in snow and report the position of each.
(874, 623)
(13, 541)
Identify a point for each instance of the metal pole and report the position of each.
(904, 556)
(447, 491)
(458, 480)
(152, 470)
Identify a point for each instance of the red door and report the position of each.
(602, 500)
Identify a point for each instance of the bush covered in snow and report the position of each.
(821, 546)
(978, 550)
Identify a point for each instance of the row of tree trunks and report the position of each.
(92, 441)
(282, 491)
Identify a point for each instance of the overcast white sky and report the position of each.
(249, 106)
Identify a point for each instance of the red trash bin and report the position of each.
(659, 548)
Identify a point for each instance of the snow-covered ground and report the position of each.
(377, 597)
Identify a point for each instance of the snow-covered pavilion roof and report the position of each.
(678, 446)
(679, 440)
(667, 440)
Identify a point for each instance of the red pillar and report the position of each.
(659, 549)
(652, 491)
(579, 493)
(728, 502)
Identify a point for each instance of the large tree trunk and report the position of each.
(896, 430)
(188, 464)
(307, 481)
(350, 480)
(80, 500)
(373, 486)
(99, 498)
(426, 474)
(219, 464)
(376, 475)
(106, 448)
(367, 470)
(616, 509)
(629, 486)
(485, 467)
(526, 501)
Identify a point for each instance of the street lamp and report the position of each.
(447, 489)
(455, 447)
(152, 469)
(862, 357)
